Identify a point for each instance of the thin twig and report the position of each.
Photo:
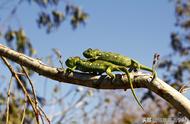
(22, 86)
(8, 96)
(44, 115)
(31, 84)
(41, 118)
(24, 111)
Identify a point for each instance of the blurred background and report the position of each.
(53, 30)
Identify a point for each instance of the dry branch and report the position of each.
(139, 80)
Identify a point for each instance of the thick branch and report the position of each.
(180, 102)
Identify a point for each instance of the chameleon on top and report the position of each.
(98, 66)
(117, 59)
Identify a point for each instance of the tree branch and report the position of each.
(139, 80)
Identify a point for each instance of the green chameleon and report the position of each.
(120, 60)
(98, 66)
(117, 59)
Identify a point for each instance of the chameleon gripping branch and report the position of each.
(180, 102)
(119, 60)
(99, 67)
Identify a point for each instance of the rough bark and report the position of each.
(140, 80)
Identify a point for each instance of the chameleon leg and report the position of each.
(135, 66)
(109, 73)
(132, 89)
(154, 74)
(152, 70)
(130, 69)
(70, 69)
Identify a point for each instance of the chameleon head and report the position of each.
(89, 53)
(72, 61)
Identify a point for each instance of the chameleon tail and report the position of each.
(154, 74)
(132, 89)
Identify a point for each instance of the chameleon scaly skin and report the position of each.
(120, 60)
(98, 66)
(117, 59)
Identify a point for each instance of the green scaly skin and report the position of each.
(98, 66)
(117, 59)
(120, 60)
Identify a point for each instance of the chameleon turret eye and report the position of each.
(88, 53)
(70, 62)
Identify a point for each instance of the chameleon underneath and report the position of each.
(98, 66)
(120, 60)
